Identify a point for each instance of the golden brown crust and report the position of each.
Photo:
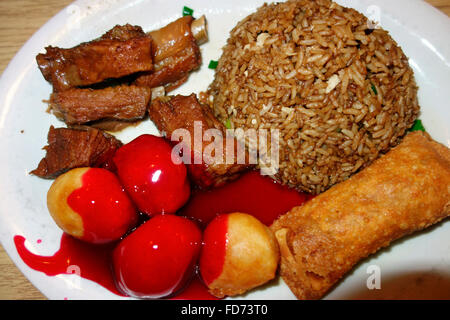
(251, 258)
(67, 219)
(406, 190)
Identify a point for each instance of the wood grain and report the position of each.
(443, 5)
(20, 19)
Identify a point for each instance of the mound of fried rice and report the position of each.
(340, 92)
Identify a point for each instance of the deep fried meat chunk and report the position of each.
(70, 148)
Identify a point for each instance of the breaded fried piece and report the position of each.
(95, 61)
(404, 191)
(74, 148)
(175, 54)
(79, 106)
(181, 112)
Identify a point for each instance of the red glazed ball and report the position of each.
(158, 258)
(90, 204)
(239, 253)
(154, 182)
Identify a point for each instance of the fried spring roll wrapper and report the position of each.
(406, 190)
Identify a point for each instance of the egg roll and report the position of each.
(404, 191)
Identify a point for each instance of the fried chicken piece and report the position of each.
(404, 191)
(175, 54)
(73, 148)
(185, 112)
(79, 106)
(116, 55)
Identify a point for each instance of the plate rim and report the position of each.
(47, 30)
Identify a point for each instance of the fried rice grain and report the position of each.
(340, 93)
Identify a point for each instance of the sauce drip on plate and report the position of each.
(90, 261)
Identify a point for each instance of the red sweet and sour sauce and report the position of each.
(214, 248)
(252, 193)
(92, 261)
(104, 206)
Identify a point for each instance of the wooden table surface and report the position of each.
(19, 20)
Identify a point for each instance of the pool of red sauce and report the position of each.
(252, 193)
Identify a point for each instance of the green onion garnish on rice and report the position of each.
(187, 11)
(417, 126)
(374, 89)
(213, 64)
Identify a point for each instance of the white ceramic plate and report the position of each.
(421, 30)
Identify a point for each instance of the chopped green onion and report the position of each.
(374, 89)
(213, 64)
(228, 124)
(417, 126)
(187, 11)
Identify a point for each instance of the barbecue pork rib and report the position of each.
(120, 52)
(175, 54)
(70, 148)
(80, 106)
(181, 112)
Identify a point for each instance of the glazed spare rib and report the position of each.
(80, 106)
(124, 33)
(175, 54)
(186, 113)
(110, 80)
(118, 53)
(70, 148)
